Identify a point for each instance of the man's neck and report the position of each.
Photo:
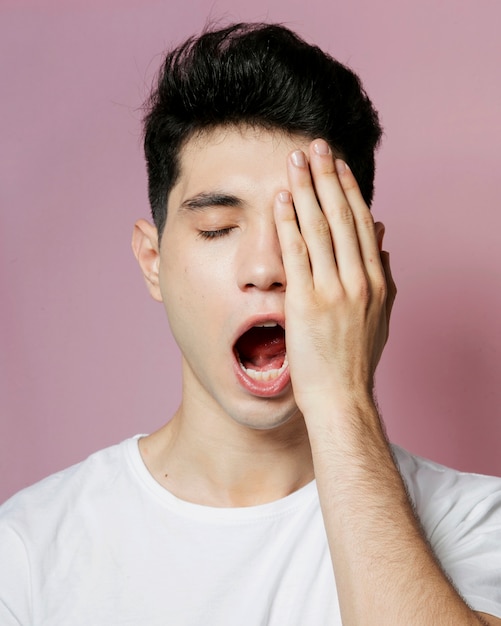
(228, 465)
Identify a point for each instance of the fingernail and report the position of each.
(341, 166)
(298, 158)
(284, 196)
(321, 147)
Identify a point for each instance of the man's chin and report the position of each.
(274, 418)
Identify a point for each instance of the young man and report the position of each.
(272, 496)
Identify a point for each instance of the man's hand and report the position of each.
(339, 286)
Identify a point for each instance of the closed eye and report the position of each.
(213, 234)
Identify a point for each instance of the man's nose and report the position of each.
(260, 264)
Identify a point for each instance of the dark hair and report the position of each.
(258, 74)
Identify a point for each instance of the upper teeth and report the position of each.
(267, 325)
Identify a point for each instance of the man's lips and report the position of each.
(261, 364)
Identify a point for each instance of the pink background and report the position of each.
(86, 357)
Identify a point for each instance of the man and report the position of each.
(272, 496)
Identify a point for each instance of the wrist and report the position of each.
(332, 406)
(348, 423)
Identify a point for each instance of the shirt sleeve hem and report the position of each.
(484, 605)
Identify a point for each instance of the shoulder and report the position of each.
(61, 519)
(452, 505)
(61, 492)
(427, 480)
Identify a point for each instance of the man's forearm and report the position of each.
(386, 573)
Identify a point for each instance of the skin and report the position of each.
(226, 446)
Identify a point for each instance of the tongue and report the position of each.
(262, 348)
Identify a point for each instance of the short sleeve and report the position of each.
(461, 517)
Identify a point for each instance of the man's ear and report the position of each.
(146, 250)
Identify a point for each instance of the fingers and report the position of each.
(313, 225)
(334, 229)
(295, 254)
(335, 207)
(369, 235)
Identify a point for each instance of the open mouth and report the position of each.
(261, 351)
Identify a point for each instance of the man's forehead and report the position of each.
(213, 158)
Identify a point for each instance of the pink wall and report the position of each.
(86, 358)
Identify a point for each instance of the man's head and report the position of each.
(262, 76)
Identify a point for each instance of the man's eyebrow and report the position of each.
(206, 200)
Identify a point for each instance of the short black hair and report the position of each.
(262, 75)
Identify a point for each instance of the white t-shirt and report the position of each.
(103, 544)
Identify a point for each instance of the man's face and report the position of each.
(221, 276)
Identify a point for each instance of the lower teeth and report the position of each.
(264, 374)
